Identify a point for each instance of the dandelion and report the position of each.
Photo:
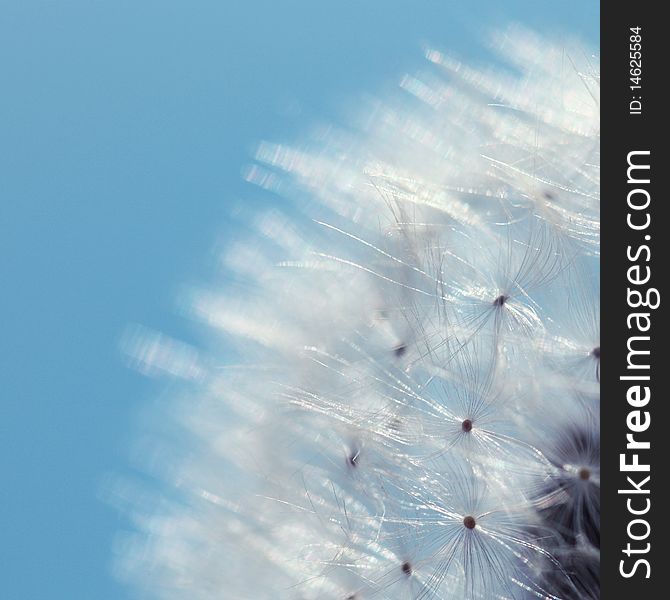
(412, 413)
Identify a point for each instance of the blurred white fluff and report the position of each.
(413, 413)
(154, 353)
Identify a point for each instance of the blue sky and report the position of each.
(124, 127)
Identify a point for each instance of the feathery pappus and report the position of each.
(412, 409)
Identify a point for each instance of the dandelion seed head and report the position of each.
(412, 410)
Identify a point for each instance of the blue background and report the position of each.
(124, 127)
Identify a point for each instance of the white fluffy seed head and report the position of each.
(411, 413)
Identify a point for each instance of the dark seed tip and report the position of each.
(400, 350)
(500, 300)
